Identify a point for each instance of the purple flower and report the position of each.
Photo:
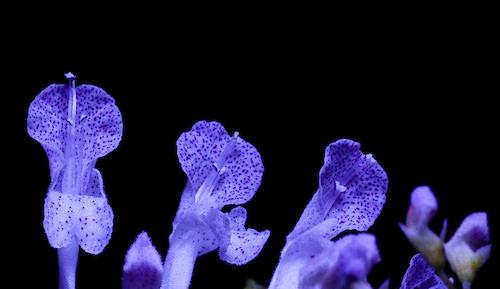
(222, 170)
(422, 209)
(143, 268)
(467, 250)
(344, 264)
(350, 196)
(75, 126)
(420, 275)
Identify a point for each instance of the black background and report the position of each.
(415, 86)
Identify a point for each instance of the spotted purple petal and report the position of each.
(88, 219)
(420, 275)
(244, 244)
(222, 169)
(350, 196)
(351, 192)
(97, 128)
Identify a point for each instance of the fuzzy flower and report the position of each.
(143, 267)
(423, 208)
(350, 196)
(222, 170)
(467, 250)
(420, 275)
(75, 126)
(344, 264)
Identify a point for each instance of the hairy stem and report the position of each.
(179, 265)
(68, 261)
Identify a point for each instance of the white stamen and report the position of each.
(340, 187)
(208, 185)
(369, 157)
(72, 99)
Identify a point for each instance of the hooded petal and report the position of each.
(232, 164)
(420, 275)
(351, 193)
(47, 123)
(244, 244)
(98, 127)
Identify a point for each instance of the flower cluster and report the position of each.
(78, 125)
(466, 251)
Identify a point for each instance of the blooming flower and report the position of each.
(420, 275)
(221, 170)
(350, 196)
(467, 251)
(422, 209)
(344, 264)
(143, 268)
(75, 126)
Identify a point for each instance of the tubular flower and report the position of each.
(350, 196)
(222, 170)
(75, 126)
(467, 250)
(423, 207)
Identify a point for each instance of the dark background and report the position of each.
(415, 86)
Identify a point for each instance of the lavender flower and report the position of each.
(221, 170)
(420, 275)
(344, 264)
(350, 196)
(467, 251)
(422, 209)
(75, 126)
(143, 268)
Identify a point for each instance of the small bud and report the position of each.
(422, 209)
(143, 268)
(467, 251)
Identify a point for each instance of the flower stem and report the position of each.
(179, 265)
(68, 261)
(286, 275)
(445, 279)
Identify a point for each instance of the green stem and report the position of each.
(446, 280)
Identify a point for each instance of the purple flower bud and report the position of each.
(143, 268)
(467, 250)
(422, 209)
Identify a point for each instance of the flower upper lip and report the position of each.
(75, 128)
